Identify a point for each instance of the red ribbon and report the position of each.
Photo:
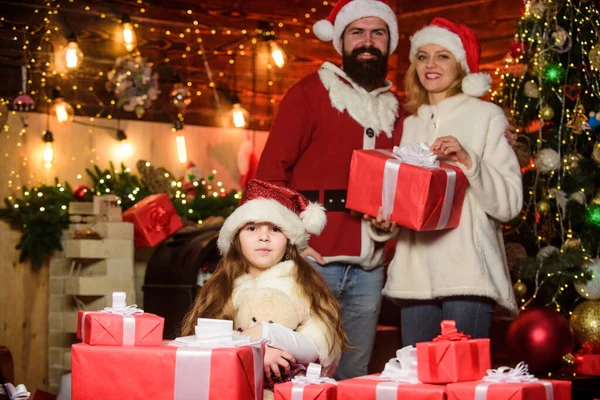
(158, 219)
(450, 333)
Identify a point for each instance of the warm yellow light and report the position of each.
(73, 56)
(62, 111)
(129, 36)
(181, 149)
(48, 154)
(239, 116)
(277, 54)
(125, 148)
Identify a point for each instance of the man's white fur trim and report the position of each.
(476, 85)
(375, 110)
(263, 210)
(358, 9)
(441, 37)
(323, 30)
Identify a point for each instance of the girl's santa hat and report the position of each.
(347, 11)
(297, 217)
(461, 42)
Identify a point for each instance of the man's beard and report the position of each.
(368, 73)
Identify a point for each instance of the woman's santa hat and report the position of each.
(461, 42)
(347, 11)
(289, 210)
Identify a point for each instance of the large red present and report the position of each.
(481, 390)
(302, 391)
(453, 357)
(154, 219)
(120, 325)
(167, 372)
(422, 197)
(587, 364)
(372, 387)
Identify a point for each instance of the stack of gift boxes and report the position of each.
(451, 367)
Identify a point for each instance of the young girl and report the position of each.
(457, 273)
(261, 243)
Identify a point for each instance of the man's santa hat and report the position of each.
(461, 42)
(347, 11)
(289, 210)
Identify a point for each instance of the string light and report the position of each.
(73, 55)
(60, 109)
(126, 149)
(48, 149)
(129, 39)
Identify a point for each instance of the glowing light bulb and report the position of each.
(129, 39)
(48, 156)
(239, 116)
(277, 54)
(73, 55)
(62, 111)
(181, 149)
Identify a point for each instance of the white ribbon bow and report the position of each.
(415, 153)
(129, 310)
(403, 368)
(15, 393)
(313, 376)
(518, 374)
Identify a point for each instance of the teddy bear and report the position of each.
(268, 305)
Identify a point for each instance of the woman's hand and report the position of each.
(450, 147)
(386, 225)
(274, 359)
(511, 135)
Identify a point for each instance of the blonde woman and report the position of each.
(460, 273)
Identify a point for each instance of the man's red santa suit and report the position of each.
(320, 122)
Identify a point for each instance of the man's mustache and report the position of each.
(366, 49)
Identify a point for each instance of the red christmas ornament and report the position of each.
(539, 337)
(80, 191)
(516, 48)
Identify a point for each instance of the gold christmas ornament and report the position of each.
(520, 289)
(571, 244)
(573, 160)
(531, 90)
(578, 121)
(547, 112)
(542, 206)
(596, 153)
(585, 322)
(594, 56)
(514, 252)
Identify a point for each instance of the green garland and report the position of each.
(41, 213)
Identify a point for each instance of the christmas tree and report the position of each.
(550, 89)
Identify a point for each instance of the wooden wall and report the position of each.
(23, 291)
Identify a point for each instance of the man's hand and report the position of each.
(386, 225)
(511, 135)
(275, 358)
(310, 252)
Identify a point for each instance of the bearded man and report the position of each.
(321, 121)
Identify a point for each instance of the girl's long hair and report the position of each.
(416, 95)
(214, 297)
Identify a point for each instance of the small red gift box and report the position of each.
(373, 388)
(540, 390)
(419, 198)
(154, 219)
(452, 357)
(103, 329)
(302, 391)
(167, 372)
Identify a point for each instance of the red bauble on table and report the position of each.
(540, 337)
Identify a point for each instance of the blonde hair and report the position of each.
(416, 94)
(214, 298)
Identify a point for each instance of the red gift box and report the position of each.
(154, 219)
(540, 390)
(103, 329)
(167, 372)
(452, 357)
(302, 391)
(373, 388)
(419, 198)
